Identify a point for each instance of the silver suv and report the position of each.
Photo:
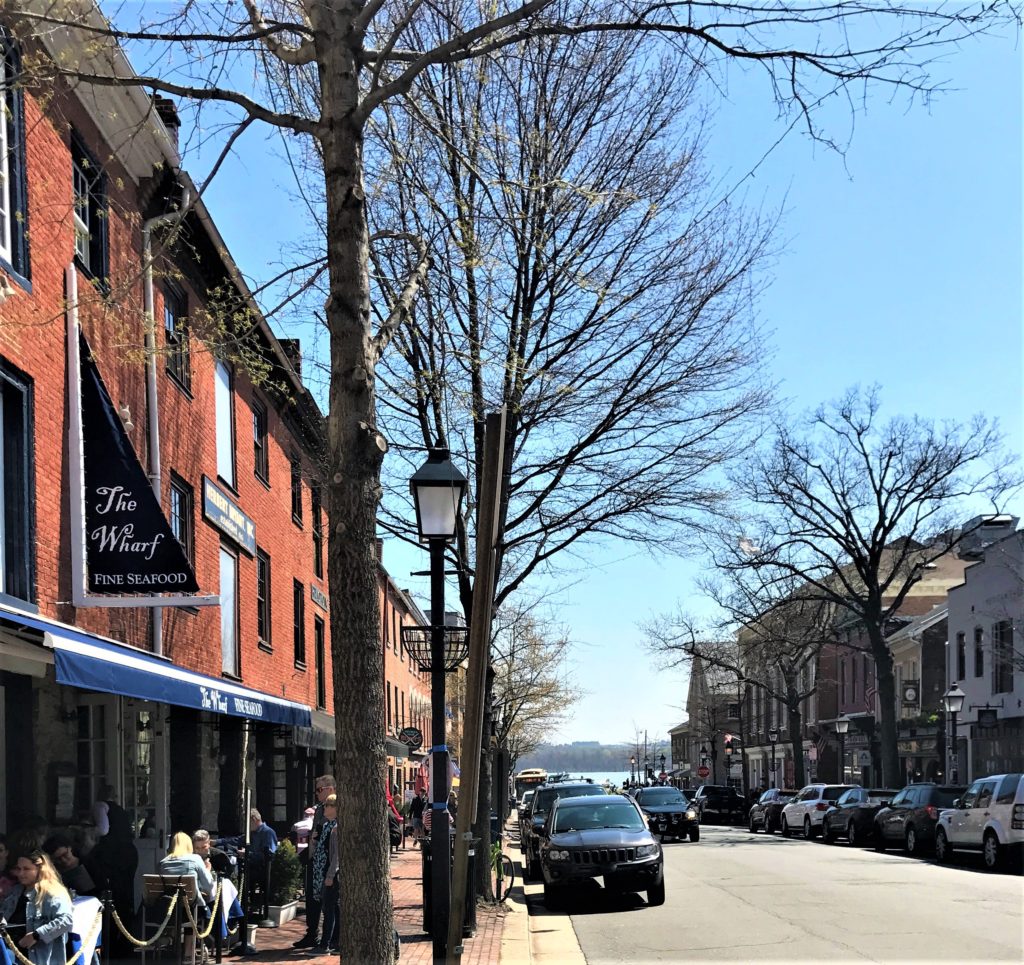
(988, 817)
(807, 810)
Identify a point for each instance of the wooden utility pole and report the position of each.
(479, 657)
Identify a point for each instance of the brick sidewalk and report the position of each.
(484, 948)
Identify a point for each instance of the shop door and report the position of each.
(144, 784)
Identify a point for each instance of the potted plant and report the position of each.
(285, 882)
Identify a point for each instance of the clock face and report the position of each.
(910, 694)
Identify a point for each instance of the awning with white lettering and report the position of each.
(92, 662)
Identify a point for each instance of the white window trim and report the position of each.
(6, 240)
(225, 423)
(225, 610)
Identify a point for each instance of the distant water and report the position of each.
(618, 778)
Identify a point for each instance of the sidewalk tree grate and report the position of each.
(456, 646)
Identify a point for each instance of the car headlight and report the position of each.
(558, 855)
(691, 815)
(646, 850)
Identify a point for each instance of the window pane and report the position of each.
(228, 612)
(225, 425)
(259, 438)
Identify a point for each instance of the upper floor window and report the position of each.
(225, 413)
(16, 485)
(979, 653)
(842, 680)
(229, 611)
(318, 532)
(961, 656)
(299, 627)
(13, 182)
(182, 515)
(90, 213)
(297, 490)
(179, 364)
(1002, 657)
(263, 598)
(261, 457)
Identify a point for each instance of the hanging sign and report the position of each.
(224, 513)
(129, 545)
(411, 736)
(318, 596)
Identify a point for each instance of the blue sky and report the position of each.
(898, 264)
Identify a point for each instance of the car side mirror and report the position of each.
(885, 804)
(956, 804)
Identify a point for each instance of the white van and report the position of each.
(989, 818)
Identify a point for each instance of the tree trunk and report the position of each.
(352, 465)
(482, 821)
(892, 775)
(796, 737)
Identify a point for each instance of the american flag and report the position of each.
(869, 696)
(821, 742)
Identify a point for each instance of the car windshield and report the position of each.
(662, 795)
(547, 796)
(617, 814)
(834, 793)
(528, 797)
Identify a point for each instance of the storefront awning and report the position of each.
(319, 735)
(92, 662)
(396, 748)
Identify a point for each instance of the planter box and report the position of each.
(279, 914)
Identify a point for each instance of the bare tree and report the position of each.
(779, 636)
(359, 56)
(533, 690)
(851, 511)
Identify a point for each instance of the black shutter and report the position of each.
(16, 164)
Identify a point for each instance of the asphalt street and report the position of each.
(738, 897)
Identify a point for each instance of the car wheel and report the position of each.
(911, 843)
(535, 872)
(769, 828)
(943, 850)
(827, 834)
(785, 827)
(991, 852)
(695, 834)
(552, 896)
(808, 830)
(853, 836)
(879, 840)
(751, 827)
(656, 894)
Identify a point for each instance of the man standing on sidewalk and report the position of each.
(323, 787)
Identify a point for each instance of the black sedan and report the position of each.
(600, 837)
(716, 802)
(766, 813)
(669, 813)
(853, 815)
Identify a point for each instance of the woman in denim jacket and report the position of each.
(46, 906)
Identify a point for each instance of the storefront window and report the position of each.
(91, 754)
(139, 734)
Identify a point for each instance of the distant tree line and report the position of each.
(574, 757)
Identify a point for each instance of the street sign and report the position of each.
(411, 737)
(703, 771)
(663, 776)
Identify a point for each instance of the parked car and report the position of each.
(808, 808)
(989, 818)
(716, 802)
(669, 812)
(910, 819)
(853, 815)
(523, 816)
(545, 797)
(607, 837)
(766, 812)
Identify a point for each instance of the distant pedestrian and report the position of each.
(324, 861)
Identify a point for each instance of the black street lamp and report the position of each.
(632, 770)
(662, 759)
(953, 699)
(728, 762)
(437, 490)
(773, 739)
(647, 769)
(842, 726)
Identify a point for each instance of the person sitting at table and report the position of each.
(75, 875)
(218, 862)
(182, 860)
(38, 911)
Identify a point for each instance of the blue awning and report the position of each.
(95, 663)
